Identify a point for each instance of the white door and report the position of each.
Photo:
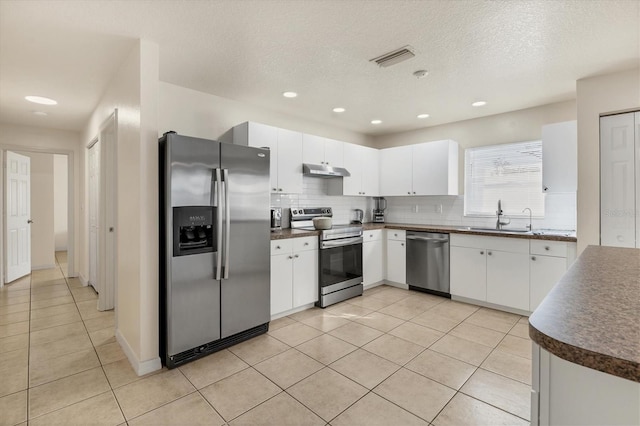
(617, 181)
(18, 223)
(94, 208)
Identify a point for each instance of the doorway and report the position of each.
(17, 197)
(101, 155)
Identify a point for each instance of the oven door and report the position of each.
(340, 265)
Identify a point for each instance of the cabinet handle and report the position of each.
(327, 163)
(274, 189)
(489, 253)
(414, 192)
(395, 235)
(533, 258)
(306, 244)
(296, 256)
(546, 248)
(277, 247)
(289, 257)
(402, 244)
(409, 192)
(481, 252)
(280, 189)
(363, 193)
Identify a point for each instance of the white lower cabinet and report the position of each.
(294, 273)
(490, 269)
(468, 276)
(396, 256)
(373, 257)
(508, 279)
(511, 272)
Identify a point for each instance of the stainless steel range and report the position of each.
(340, 263)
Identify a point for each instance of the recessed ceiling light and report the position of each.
(376, 121)
(479, 103)
(41, 100)
(289, 94)
(423, 115)
(40, 113)
(339, 109)
(421, 73)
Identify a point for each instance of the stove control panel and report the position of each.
(310, 212)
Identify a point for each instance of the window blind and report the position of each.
(508, 172)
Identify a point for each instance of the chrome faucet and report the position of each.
(500, 222)
(530, 227)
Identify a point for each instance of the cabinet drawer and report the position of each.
(396, 234)
(549, 248)
(373, 235)
(281, 246)
(305, 243)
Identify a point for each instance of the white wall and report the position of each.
(60, 197)
(199, 114)
(133, 91)
(598, 96)
(42, 234)
(50, 140)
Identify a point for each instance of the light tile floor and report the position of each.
(390, 357)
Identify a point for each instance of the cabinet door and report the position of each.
(468, 272)
(353, 162)
(508, 279)
(431, 168)
(544, 274)
(263, 136)
(373, 261)
(617, 181)
(312, 149)
(305, 277)
(289, 162)
(281, 283)
(560, 157)
(397, 261)
(334, 153)
(637, 179)
(396, 171)
(370, 172)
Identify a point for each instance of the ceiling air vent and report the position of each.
(394, 57)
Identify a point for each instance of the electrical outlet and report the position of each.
(438, 208)
(415, 208)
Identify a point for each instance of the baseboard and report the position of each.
(374, 285)
(65, 248)
(38, 267)
(490, 305)
(83, 280)
(292, 311)
(395, 284)
(140, 367)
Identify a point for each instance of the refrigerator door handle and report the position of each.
(227, 218)
(217, 203)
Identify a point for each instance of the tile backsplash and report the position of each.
(560, 208)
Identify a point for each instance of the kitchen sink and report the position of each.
(501, 231)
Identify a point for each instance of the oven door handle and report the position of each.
(341, 242)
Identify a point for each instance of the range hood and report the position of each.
(324, 171)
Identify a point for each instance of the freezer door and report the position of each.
(245, 286)
(192, 302)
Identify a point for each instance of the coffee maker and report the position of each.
(379, 208)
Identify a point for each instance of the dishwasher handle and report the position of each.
(438, 240)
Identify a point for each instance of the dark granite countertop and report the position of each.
(592, 316)
(547, 235)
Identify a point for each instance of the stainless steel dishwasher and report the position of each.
(428, 262)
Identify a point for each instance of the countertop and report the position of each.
(548, 235)
(592, 316)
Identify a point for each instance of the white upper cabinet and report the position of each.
(319, 150)
(363, 164)
(425, 169)
(285, 153)
(396, 171)
(435, 168)
(560, 157)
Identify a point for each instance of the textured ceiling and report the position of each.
(513, 54)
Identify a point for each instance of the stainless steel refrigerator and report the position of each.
(214, 246)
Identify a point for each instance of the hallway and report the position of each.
(57, 350)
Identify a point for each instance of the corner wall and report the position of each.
(133, 91)
(598, 96)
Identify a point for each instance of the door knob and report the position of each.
(29, 221)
